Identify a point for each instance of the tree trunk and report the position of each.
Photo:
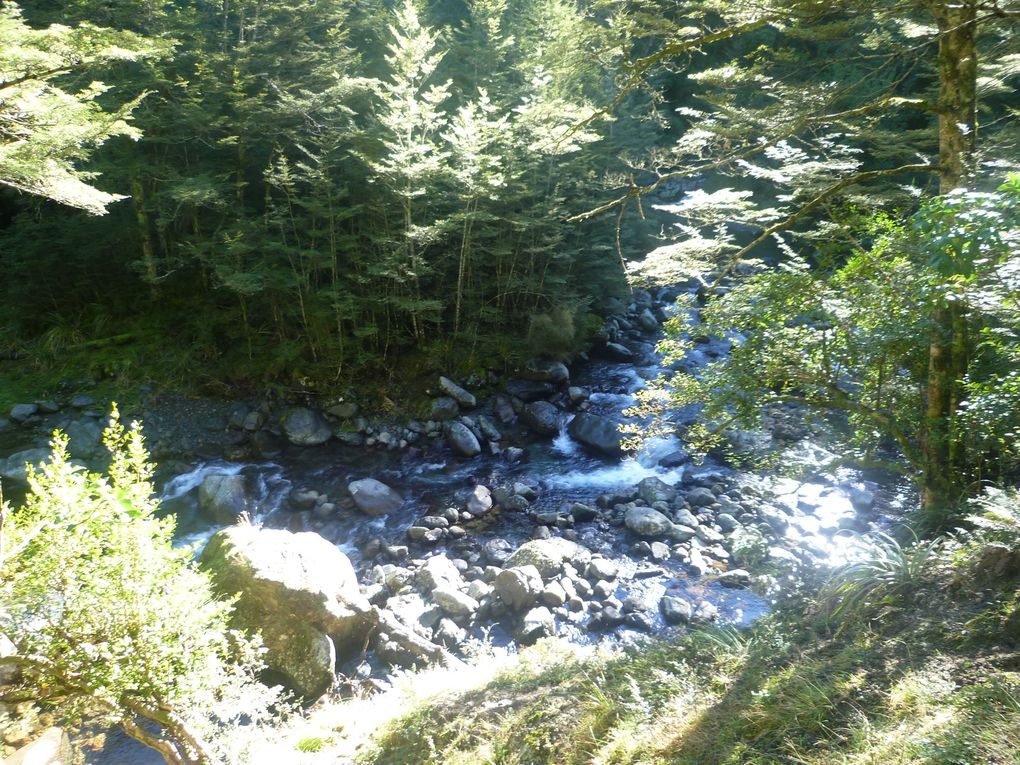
(947, 360)
(144, 227)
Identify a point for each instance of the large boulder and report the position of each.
(14, 467)
(595, 432)
(542, 417)
(549, 555)
(462, 440)
(305, 427)
(222, 498)
(53, 747)
(300, 591)
(22, 412)
(84, 438)
(374, 497)
(457, 393)
(647, 523)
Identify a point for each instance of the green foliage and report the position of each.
(885, 574)
(114, 623)
(50, 120)
(322, 188)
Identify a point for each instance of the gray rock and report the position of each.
(685, 517)
(675, 459)
(601, 568)
(444, 408)
(85, 438)
(462, 440)
(699, 496)
(727, 522)
(529, 390)
(253, 421)
(648, 321)
(676, 610)
(496, 551)
(647, 523)
(53, 747)
(81, 401)
(305, 427)
(582, 512)
(546, 371)
(618, 352)
(542, 417)
(553, 595)
(21, 412)
(448, 634)
(537, 623)
(454, 602)
(577, 395)
(373, 497)
(457, 393)
(222, 498)
(737, 577)
(479, 501)
(344, 410)
(653, 490)
(300, 591)
(549, 555)
(595, 432)
(518, 588)
(438, 572)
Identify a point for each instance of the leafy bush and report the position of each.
(884, 576)
(112, 621)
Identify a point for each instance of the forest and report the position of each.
(510, 381)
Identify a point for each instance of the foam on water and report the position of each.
(185, 482)
(563, 443)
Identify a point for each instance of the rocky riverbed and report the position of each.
(507, 513)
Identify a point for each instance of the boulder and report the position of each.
(84, 438)
(374, 497)
(479, 501)
(529, 390)
(546, 371)
(647, 523)
(222, 498)
(454, 602)
(438, 572)
(653, 490)
(595, 432)
(700, 497)
(542, 417)
(537, 623)
(343, 410)
(21, 412)
(518, 588)
(305, 427)
(53, 747)
(457, 393)
(462, 440)
(675, 459)
(300, 591)
(737, 577)
(13, 468)
(676, 610)
(444, 408)
(549, 555)
(617, 352)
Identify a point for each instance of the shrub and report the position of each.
(114, 623)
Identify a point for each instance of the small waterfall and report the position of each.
(563, 443)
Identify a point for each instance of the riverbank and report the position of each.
(928, 674)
